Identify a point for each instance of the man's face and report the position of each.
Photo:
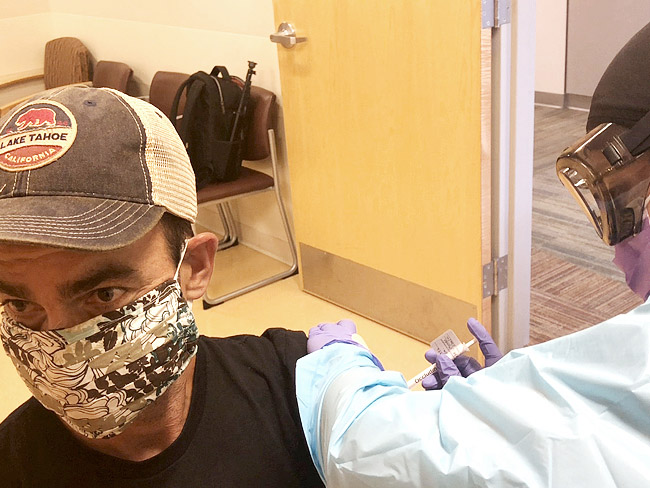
(47, 288)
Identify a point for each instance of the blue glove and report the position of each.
(462, 365)
(344, 331)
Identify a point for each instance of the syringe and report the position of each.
(452, 354)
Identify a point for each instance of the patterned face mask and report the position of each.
(100, 374)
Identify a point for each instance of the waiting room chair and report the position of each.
(259, 145)
(164, 86)
(67, 61)
(112, 74)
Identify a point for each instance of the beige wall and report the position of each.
(152, 35)
(11, 8)
(25, 27)
(550, 35)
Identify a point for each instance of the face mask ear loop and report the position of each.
(180, 261)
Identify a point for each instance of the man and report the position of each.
(98, 270)
(572, 412)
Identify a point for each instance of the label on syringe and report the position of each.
(442, 344)
(446, 342)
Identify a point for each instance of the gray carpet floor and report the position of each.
(573, 281)
(559, 226)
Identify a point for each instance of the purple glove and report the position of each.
(462, 365)
(344, 331)
(445, 369)
(489, 349)
(631, 257)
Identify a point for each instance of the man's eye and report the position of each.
(21, 309)
(106, 294)
(16, 306)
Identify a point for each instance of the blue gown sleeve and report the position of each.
(574, 411)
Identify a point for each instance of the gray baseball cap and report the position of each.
(90, 168)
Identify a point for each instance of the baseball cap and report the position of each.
(91, 169)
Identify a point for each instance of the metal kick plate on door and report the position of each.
(412, 309)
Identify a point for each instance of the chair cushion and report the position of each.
(248, 181)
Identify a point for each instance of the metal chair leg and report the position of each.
(230, 235)
(227, 211)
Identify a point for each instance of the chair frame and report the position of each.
(224, 210)
(229, 238)
(223, 206)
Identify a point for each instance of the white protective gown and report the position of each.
(572, 412)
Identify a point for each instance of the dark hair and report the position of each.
(176, 230)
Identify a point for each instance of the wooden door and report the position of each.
(390, 188)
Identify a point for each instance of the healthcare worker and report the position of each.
(572, 412)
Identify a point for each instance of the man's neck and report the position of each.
(157, 427)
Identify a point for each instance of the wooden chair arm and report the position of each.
(5, 83)
(7, 107)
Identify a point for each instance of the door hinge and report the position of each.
(495, 276)
(495, 13)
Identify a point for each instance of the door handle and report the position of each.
(286, 35)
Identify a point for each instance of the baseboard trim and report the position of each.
(274, 246)
(552, 99)
(582, 102)
(563, 100)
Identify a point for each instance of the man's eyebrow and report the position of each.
(13, 290)
(108, 272)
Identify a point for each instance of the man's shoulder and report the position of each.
(18, 431)
(286, 345)
(270, 357)
(23, 416)
(29, 420)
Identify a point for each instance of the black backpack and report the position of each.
(206, 126)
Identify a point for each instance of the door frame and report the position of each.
(513, 120)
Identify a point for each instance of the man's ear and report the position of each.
(198, 264)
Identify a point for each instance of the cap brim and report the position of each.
(91, 224)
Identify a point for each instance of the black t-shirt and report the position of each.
(243, 429)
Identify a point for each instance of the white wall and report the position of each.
(576, 41)
(152, 35)
(598, 29)
(550, 35)
(188, 36)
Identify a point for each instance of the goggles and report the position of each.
(608, 174)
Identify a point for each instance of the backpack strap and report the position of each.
(194, 86)
(174, 110)
(220, 70)
(177, 97)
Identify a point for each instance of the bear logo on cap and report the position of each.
(37, 134)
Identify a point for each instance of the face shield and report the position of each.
(608, 179)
